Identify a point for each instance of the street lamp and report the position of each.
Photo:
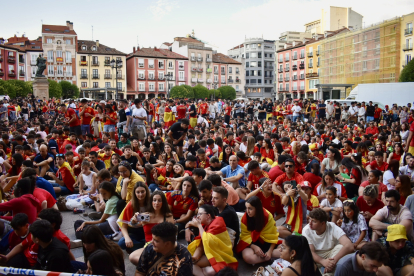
(215, 88)
(168, 76)
(115, 65)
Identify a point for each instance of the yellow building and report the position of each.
(312, 49)
(96, 77)
(406, 39)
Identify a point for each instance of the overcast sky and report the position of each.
(221, 23)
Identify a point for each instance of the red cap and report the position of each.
(305, 184)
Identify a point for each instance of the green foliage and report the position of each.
(15, 88)
(227, 92)
(178, 92)
(55, 90)
(215, 94)
(69, 90)
(407, 74)
(190, 91)
(201, 92)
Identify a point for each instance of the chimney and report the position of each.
(138, 48)
(155, 48)
(97, 43)
(133, 49)
(69, 25)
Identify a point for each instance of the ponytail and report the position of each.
(303, 254)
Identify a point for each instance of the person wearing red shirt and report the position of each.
(377, 113)
(71, 141)
(64, 178)
(229, 140)
(279, 169)
(410, 141)
(256, 173)
(368, 204)
(72, 120)
(289, 175)
(372, 129)
(267, 150)
(204, 109)
(313, 177)
(86, 113)
(378, 163)
(347, 150)
(45, 198)
(300, 162)
(227, 113)
(110, 118)
(181, 111)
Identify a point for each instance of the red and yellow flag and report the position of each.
(126, 214)
(168, 117)
(268, 234)
(217, 245)
(294, 215)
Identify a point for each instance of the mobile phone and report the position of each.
(294, 184)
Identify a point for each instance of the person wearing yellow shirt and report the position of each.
(106, 156)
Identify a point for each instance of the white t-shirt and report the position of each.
(325, 242)
(139, 112)
(243, 148)
(337, 203)
(296, 110)
(387, 176)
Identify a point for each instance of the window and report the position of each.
(247, 73)
(151, 87)
(84, 48)
(107, 73)
(160, 64)
(50, 70)
(59, 69)
(93, 48)
(49, 55)
(95, 73)
(84, 72)
(83, 58)
(107, 60)
(247, 64)
(141, 62)
(67, 41)
(141, 86)
(181, 76)
(302, 53)
(107, 84)
(215, 78)
(170, 64)
(295, 55)
(287, 86)
(95, 85)
(160, 87)
(33, 59)
(95, 60)
(270, 55)
(161, 75)
(259, 54)
(237, 70)
(59, 53)
(49, 40)
(84, 84)
(230, 70)
(259, 64)
(247, 55)
(119, 85)
(364, 65)
(68, 56)
(151, 63)
(259, 72)
(151, 75)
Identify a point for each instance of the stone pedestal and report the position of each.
(41, 88)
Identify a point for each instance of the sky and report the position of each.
(224, 24)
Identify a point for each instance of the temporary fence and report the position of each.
(22, 271)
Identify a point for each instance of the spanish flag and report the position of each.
(126, 214)
(217, 245)
(294, 215)
(168, 117)
(268, 234)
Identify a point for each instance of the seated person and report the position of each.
(259, 235)
(87, 179)
(392, 213)
(327, 241)
(400, 251)
(368, 204)
(212, 249)
(332, 205)
(64, 178)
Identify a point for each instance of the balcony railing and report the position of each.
(120, 77)
(237, 72)
(295, 57)
(108, 76)
(216, 72)
(193, 58)
(12, 74)
(209, 60)
(302, 66)
(68, 74)
(312, 75)
(161, 79)
(295, 78)
(280, 60)
(11, 60)
(209, 70)
(280, 70)
(302, 56)
(95, 76)
(287, 69)
(280, 79)
(408, 47)
(310, 54)
(230, 80)
(408, 31)
(268, 67)
(216, 81)
(151, 66)
(317, 52)
(268, 76)
(193, 79)
(287, 78)
(302, 77)
(200, 70)
(107, 63)
(1, 73)
(287, 59)
(21, 73)
(294, 89)
(310, 65)
(181, 67)
(83, 63)
(200, 80)
(83, 76)
(21, 60)
(193, 69)
(294, 67)
(223, 81)
(208, 80)
(223, 72)
(237, 80)
(199, 59)
(95, 63)
(151, 78)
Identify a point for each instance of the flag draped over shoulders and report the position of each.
(168, 117)
(268, 234)
(217, 245)
(294, 216)
(126, 214)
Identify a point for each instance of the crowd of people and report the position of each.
(218, 175)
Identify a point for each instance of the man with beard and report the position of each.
(392, 213)
(408, 169)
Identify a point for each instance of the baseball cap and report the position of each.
(396, 232)
(102, 102)
(305, 184)
(313, 147)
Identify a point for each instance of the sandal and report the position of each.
(259, 272)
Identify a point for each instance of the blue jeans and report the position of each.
(295, 118)
(153, 187)
(370, 118)
(63, 189)
(136, 240)
(86, 129)
(109, 128)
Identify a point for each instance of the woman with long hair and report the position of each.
(100, 263)
(403, 186)
(149, 140)
(8, 180)
(225, 155)
(405, 130)
(250, 145)
(115, 160)
(396, 153)
(259, 236)
(296, 250)
(133, 236)
(169, 154)
(391, 174)
(328, 179)
(155, 150)
(332, 161)
(183, 202)
(373, 179)
(356, 173)
(267, 151)
(93, 239)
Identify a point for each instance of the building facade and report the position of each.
(258, 57)
(59, 48)
(228, 71)
(406, 51)
(152, 72)
(9, 62)
(95, 74)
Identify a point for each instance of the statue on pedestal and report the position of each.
(41, 66)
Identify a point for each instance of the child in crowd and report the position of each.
(331, 204)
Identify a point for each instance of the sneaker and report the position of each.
(115, 236)
(95, 215)
(75, 244)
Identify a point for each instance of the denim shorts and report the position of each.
(109, 128)
(86, 129)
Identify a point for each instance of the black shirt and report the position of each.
(370, 110)
(178, 131)
(193, 149)
(262, 115)
(55, 257)
(182, 162)
(269, 108)
(152, 160)
(216, 169)
(133, 160)
(231, 219)
(250, 109)
(122, 115)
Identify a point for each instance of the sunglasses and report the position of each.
(60, 155)
(289, 166)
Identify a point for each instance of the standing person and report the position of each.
(177, 133)
(124, 114)
(72, 119)
(329, 110)
(322, 110)
(110, 120)
(139, 115)
(370, 112)
(181, 111)
(227, 113)
(86, 113)
(410, 141)
(296, 110)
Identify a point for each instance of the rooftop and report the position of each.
(156, 53)
(221, 58)
(187, 39)
(100, 48)
(57, 29)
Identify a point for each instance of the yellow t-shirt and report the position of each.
(130, 189)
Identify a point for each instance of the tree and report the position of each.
(55, 90)
(407, 74)
(179, 92)
(215, 94)
(69, 90)
(190, 91)
(227, 92)
(7, 89)
(201, 92)
(22, 88)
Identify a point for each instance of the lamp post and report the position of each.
(215, 87)
(169, 77)
(115, 65)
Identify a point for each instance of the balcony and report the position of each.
(268, 77)
(208, 80)
(216, 81)
(95, 63)
(11, 60)
(223, 73)
(1, 73)
(84, 76)
(21, 60)
(302, 66)
(295, 57)
(280, 79)
(83, 63)
(302, 88)
(302, 56)
(181, 67)
(280, 70)
(237, 81)
(1, 60)
(200, 59)
(216, 72)
(287, 78)
(294, 67)
(59, 74)
(193, 79)
(193, 69)
(312, 75)
(317, 52)
(108, 63)
(95, 76)
(121, 89)
(12, 74)
(287, 69)
(280, 60)
(193, 58)
(237, 72)
(68, 74)
(120, 77)
(21, 73)
(108, 76)
(151, 77)
(161, 79)
(209, 60)
(200, 70)
(223, 81)
(230, 80)
(209, 70)
(408, 47)
(310, 65)
(294, 89)
(269, 67)
(294, 78)
(287, 59)
(151, 66)
(310, 54)
(302, 77)
(408, 31)
(200, 80)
